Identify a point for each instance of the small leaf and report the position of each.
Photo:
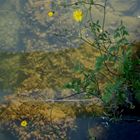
(99, 62)
(117, 35)
(112, 49)
(107, 97)
(125, 33)
(91, 1)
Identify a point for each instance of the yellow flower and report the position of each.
(78, 15)
(24, 123)
(50, 14)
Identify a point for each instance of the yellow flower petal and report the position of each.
(50, 14)
(78, 15)
(24, 123)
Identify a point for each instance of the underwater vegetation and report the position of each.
(56, 51)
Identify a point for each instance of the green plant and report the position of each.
(113, 65)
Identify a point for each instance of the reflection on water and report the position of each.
(103, 129)
(38, 54)
(117, 10)
(134, 10)
(25, 27)
(124, 7)
(27, 22)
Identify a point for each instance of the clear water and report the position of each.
(37, 56)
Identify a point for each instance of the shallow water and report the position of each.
(27, 24)
(38, 54)
(25, 27)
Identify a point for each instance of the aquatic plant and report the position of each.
(78, 15)
(110, 78)
(103, 72)
(50, 13)
(24, 123)
(103, 69)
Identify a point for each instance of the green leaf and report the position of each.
(91, 1)
(112, 49)
(99, 62)
(125, 33)
(117, 35)
(95, 27)
(107, 97)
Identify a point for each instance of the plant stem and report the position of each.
(104, 17)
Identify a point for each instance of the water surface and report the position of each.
(38, 54)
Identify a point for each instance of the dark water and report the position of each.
(103, 129)
(6, 136)
(98, 128)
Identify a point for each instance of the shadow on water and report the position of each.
(6, 136)
(101, 128)
(98, 128)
